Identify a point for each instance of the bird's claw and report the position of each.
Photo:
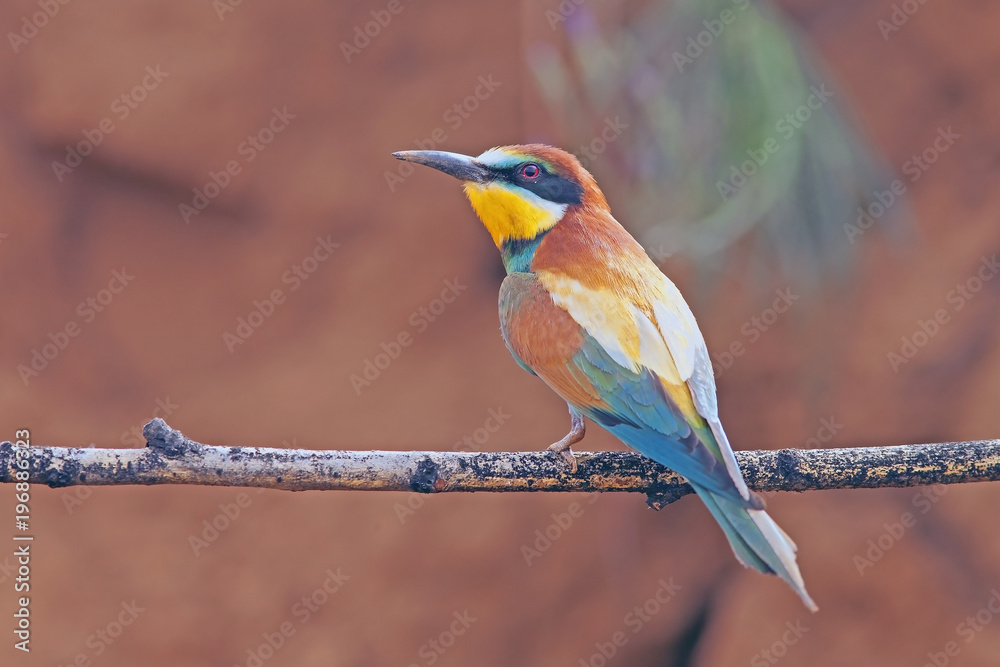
(565, 449)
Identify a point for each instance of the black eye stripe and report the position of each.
(549, 186)
(556, 189)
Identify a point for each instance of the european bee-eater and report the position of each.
(585, 309)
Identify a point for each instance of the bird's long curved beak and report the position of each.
(460, 166)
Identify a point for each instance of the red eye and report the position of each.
(530, 170)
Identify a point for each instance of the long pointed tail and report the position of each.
(757, 540)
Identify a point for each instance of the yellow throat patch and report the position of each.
(512, 213)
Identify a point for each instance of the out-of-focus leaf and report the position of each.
(699, 91)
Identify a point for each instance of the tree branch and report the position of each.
(171, 458)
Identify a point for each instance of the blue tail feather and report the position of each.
(756, 540)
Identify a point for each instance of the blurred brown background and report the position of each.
(416, 578)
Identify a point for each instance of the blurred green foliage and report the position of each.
(715, 126)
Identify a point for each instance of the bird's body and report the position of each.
(585, 309)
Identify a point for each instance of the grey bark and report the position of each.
(171, 458)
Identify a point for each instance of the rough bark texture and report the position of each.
(171, 458)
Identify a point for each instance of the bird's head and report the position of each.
(518, 192)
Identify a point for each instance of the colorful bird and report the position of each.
(585, 309)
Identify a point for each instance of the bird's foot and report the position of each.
(577, 429)
(565, 449)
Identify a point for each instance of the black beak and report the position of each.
(462, 167)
